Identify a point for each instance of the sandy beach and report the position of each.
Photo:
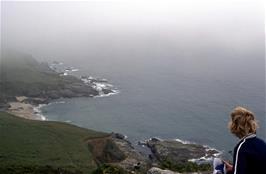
(24, 110)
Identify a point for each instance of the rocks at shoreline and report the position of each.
(117, 151)
(36, 84)
(134, 161)
(119, 136)
(72, 90)
(171, 156)
(100, 85)
(174, 153)
(41, 80)
(177, 152)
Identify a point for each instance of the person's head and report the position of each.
(242, 122)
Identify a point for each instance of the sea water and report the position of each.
(169, 101)
(180, 68)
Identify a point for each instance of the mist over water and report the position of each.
(180, 67)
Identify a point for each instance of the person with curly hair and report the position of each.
(250, 152)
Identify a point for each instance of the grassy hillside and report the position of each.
(22, 75)
(18, 66)
(36, 147)
(28, 146)
(23, 69)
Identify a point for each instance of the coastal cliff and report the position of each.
(26, 83)
(30, 146)
(36, 147)
(22, 75)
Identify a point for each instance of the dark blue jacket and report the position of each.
(250, 156)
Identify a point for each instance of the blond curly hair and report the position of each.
(242, 122)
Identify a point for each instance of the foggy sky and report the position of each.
(130, 32)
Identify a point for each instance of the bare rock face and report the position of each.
(117, 151)
(177, 152)
(135, 162)
(179, 156)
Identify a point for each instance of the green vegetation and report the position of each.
(22, 75)
(44, 147)
(109, 169)
(32, 76)
(36, 147)
(185, 167)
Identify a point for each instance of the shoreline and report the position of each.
(26, 110)
(158, 149)
(32, 111)
(30, 108)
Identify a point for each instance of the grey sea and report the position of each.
(186, 100)
(180, 66)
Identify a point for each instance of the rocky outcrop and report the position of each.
(115, 150)
(168, 156)
(39, 80)
(178, 152)
(69, 90)
(134, 161)
(105, 150)
(178, 156)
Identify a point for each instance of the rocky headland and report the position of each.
(166, 156)
(25, 84)
(178, 152)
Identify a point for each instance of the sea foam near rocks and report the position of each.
(104, 88)
(38, 112)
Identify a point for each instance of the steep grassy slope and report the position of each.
(22, 75)
(28, 146)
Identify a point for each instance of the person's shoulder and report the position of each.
(249, 143)
(257, 140)
(260, 142)
(259, 147)
(257, 144)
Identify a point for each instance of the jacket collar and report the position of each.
(251, 135)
